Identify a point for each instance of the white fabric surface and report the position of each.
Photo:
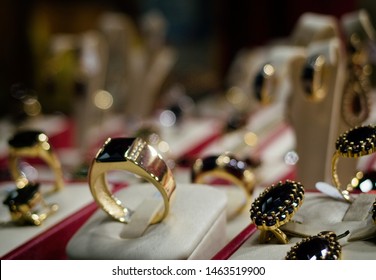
(70, 200)
(194, 228)
(321, 213)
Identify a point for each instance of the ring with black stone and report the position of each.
(274, 207)
(228, 168)
(356, 142)
(136, 156)
(27, 206)
(323, 246)
(32, 144)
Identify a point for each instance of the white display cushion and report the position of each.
(321, 213)
(193, 228)
(72, 198)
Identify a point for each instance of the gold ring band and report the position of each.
(32, 144)
(354, 143)
(228, 168)
(136, 156)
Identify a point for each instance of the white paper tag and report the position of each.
(329, 190)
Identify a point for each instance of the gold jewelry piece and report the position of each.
(323, 246)
(33, 144)
(27, 206)
(275, 206)
(355, 100)
(136, 156)
(313, 78)
(228, 168)
(354, 143)
(265, 83)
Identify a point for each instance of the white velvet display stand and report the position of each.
(312, 27)
(193, 229)
(282, 58)
(322, 213)
(316, 123)
(70, 200)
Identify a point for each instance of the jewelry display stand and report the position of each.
(268, 122)
(319, 213)
(72, 199)
(316, 122)
(312, 27)
(192, 230)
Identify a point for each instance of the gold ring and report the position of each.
(313, 78)
(354, 143)
(275, 206)
(323, 246)
(136, 156)
(32, 144)
(228, 168)
(264, 84)
(27, 206)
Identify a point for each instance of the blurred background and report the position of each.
(206, 36)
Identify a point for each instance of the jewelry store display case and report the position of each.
(201, 130)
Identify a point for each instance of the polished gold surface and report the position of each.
(140, 159)
(42, 150)
(227, 168)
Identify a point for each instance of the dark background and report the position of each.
(207, 34)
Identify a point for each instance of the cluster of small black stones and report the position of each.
(323, 246)
(276, 205)
(357, 141)
(374, 211)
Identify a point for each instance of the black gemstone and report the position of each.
(374, 212)
(21, 196)
(258, 84)
(115, 150)
(307, 78)
(272, 203)
(275, 198)
(234, 167)
(316, 248)
(209, 163)
(359, 134)
(25, 138)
